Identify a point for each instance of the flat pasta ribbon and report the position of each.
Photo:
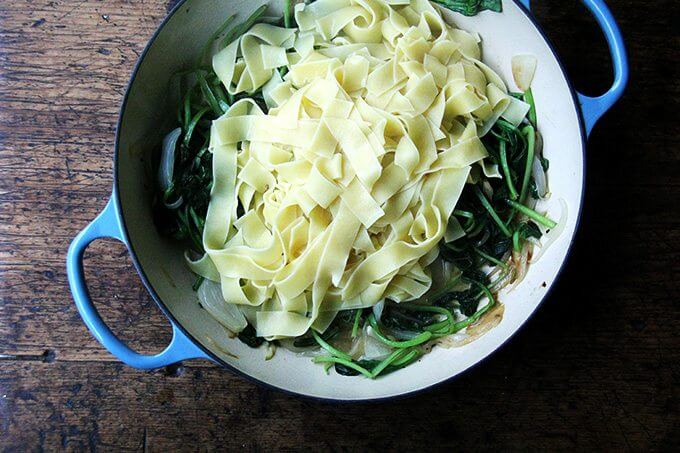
(336, 198)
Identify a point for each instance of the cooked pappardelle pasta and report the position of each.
(353, 180)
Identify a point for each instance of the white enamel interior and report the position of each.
(148, 115)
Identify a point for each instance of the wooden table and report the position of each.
(597, 368)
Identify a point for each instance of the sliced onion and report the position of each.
(270, 351)
(505, 280)
(523, 70)
(344, 342)
(175, 204)
(378, 309)
(487, 189)
(483, 239)
(552, 235)
(538, 146)
(375, 349)
(358, 345)
(167, 166)
(448, 268)
(229, 315)
(539, 176)
(521, 265)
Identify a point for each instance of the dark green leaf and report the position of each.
(197, 284)
(249, 337)
(529, 230)
(471, 7)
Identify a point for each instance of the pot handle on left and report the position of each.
(107, 224)
(594, 107)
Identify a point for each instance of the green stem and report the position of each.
(180, 106)
(329, 348)
(183, 215)
(492, 212)
(530, 134)
(345, 362)
(507, 125)
(490, 258)
(529, 99)
(478, 314)
(287, 13)
(355, 326)
(192, 125)
(187, 107)
(515, 241)
(408, 358)
(222, 98)
(506, 171)
(439, 329)
(543, 220)
(446, 288)
(462, 213)
(198, 222)
(208, 44)
(386, 362)
(470, 222)
(432, 309)
(419, 339)
(209, 95)
(244, 27)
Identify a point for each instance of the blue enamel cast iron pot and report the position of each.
(566, 118)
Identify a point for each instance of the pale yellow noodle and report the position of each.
(348, 183)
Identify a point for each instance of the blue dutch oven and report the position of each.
(566, 118)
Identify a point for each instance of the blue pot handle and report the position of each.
(594, 107)
(107, 224)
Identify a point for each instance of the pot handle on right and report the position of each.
(593, 108)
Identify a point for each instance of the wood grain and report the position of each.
(597, 368)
